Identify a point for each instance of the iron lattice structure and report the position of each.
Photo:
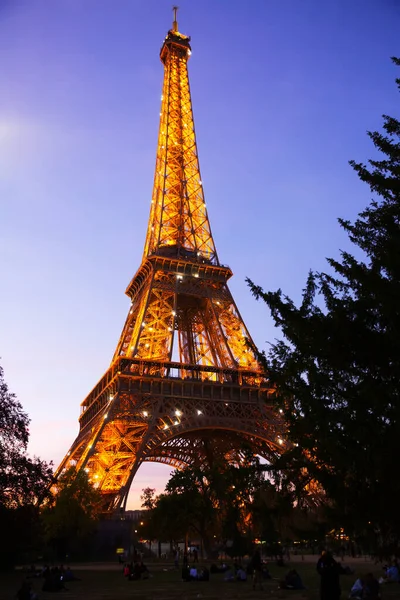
(184, 383)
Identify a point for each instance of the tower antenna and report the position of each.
(175, 22)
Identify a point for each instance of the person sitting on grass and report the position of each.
(371, 589)
(392, 574)
(345, 569)
(69, 575)
(135, 572)
(185, 573)
(265, 573)
(241, 574)
(25, 592)
(203, 574)
(229, 575)
(292, 581)
(33, 572)
(193, 574)
(144, 572)
(53, 581)
(357, 590)
(365, 588)
(219, 569)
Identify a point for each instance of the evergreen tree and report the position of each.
(337, 368)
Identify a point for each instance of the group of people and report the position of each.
(188, 556)
(291, 581)
(392, 573)
(195, 573)
(238, 573)
(136, 570)
(257, 571)
(26, 592)
(366, 587)
(56, 577)
(54, 580)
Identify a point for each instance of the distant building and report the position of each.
(133, 515)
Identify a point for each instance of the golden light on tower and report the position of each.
(178, 216)
(179, 231)
(184, 381)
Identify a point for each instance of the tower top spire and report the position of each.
(175, 21)
(178, 224)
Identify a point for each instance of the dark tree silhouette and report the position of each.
(337, 368)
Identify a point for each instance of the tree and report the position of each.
(272, 511)
(171, 518)
(71, 517)
(148, 498)
(210, 502)
(192, 489)
(336, 370)
(24, 481)
(150, 528)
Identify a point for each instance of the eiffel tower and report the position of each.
(184, 384)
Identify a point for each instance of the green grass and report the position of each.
(106, 582)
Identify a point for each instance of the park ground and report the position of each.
(106, 582)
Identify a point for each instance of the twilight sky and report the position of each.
(283, 93)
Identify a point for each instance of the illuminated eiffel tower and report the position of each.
(184, 384)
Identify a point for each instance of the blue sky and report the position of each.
(283, 93)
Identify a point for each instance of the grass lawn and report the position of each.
(106, 582)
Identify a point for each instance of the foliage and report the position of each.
(192, 495)
(148, 498)
(272, 511)
(171, 517)
(70, 519)
(337, 369)
(23, 480)
(227, 507)
(208, 502)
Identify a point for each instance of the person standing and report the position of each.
(256, 565)
(329, 571)
(185, 558)
(176, 558)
